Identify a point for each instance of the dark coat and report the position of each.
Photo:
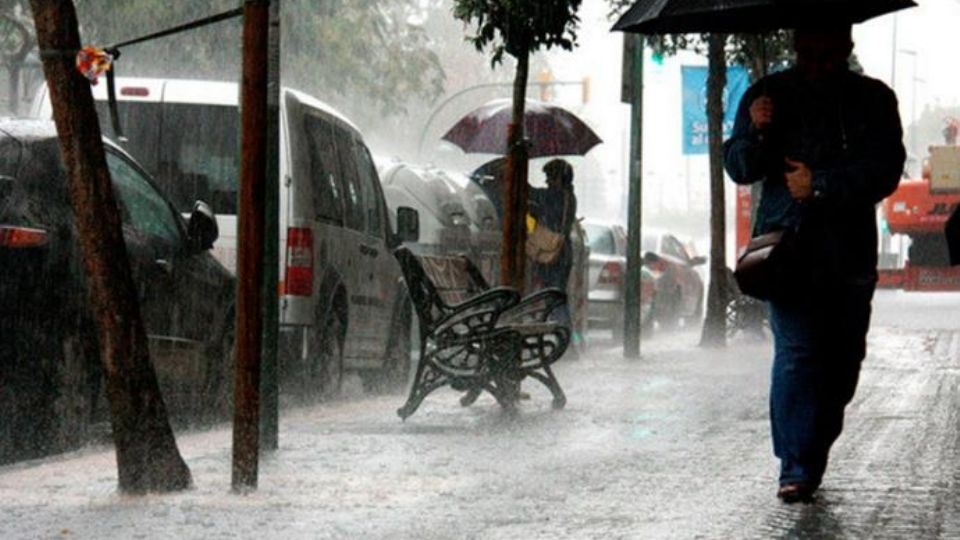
(547, 206)
(848, 132)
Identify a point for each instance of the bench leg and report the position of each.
(470, 397)
(550, 381)
(426, 380)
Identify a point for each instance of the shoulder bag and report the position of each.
(544, 244)
(770, 266)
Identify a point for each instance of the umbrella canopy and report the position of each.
(748, 16)
(551, 130)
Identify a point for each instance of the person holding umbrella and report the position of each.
(556, 208)
(826, 144)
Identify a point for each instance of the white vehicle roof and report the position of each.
(186, 91)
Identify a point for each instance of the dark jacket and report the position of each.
(548, 207)
(848, 132)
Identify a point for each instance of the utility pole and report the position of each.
(250, 243)
(269, 387)
(633, 93)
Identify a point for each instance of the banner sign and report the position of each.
(695, 105)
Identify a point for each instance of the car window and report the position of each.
(191, 149)
(353, 193)
(368, 185)
(673, 247)
(600, 239)
(143, 208)
(324, 170)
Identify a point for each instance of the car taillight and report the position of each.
(22, 237)
(611, 274)
(298, 280)
(137, 91)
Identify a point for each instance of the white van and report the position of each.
(342, 296)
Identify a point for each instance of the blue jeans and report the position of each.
(819, 343)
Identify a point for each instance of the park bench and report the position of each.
(477, 338)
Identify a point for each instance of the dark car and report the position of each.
(51, 386)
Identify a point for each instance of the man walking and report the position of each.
(826, 144)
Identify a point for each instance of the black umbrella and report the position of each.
(748, 16)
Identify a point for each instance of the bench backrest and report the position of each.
(437, 282)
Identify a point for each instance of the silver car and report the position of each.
(607, 270)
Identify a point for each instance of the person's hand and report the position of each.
(761, 112)
(799, 179)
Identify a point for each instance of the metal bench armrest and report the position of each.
(535, 307)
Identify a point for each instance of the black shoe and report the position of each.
(796, 492)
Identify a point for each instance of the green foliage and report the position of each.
(520, 27)
(369, 49)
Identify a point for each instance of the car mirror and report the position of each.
(698, 260)
(202, 227)
(408, 224)
(650, 258)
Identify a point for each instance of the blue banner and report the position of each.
(695, 105)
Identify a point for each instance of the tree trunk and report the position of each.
(251, 235)
(715, 325)
(147, 454)
(512, 254)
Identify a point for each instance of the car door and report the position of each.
(181, 291)
(684, 274)
(383, 277)
(359, 271)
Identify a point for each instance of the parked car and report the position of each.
(455, 215)
(671, 289)
(679, 290)
(607, 270)
(343, 303)
(50, 377)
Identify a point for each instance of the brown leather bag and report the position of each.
(768, 268)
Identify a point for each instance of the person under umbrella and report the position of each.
(826, 143)
(556, 208)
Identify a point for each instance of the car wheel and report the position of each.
(324, 362)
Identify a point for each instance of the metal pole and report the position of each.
(631, 305)
(270, 409)
(253, 168)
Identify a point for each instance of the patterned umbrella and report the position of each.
(551, 130)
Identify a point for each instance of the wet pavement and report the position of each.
(675, 445)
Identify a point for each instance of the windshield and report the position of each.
(600, 239)
(190, 149)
